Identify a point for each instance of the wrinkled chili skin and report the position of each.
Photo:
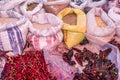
(30, 66)
(98, 66)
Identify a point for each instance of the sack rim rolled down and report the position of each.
(77, 27)
(99, 31)
(56, 26)
(11, 14)
(24, 11)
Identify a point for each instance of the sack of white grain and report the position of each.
(45, 31)
(31, 7)
(115, 16)
(13, 31)
(100, 25)
(79, 4)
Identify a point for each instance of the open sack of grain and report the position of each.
(79, 4)
(31, 7)
(100, 25)
(45, 31)
(55, 6)
(74, 26)
(115, 16)
(13, 31)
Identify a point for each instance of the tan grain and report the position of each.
(70, 19)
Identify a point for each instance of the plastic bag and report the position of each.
(31, 7)
(10, 4)
(80, 4)
(13, 31)
(55, 6)
(104, 33)
(73, 34)
(48, 35)
(115, 16)
(57, 67)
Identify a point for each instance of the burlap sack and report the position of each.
(104, 33)
(13, 31)
(45, 36)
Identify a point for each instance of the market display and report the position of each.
(59, 40)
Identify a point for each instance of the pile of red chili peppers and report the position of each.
(30, 66)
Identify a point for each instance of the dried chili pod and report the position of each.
(105, 53)
(79, 58)
(77, 50)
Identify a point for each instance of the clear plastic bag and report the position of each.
(57, 67)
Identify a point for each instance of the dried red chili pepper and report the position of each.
(30, 66)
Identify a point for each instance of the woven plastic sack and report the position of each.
(79, 4)
(73, 34)
(58, 67)
(10, 4)
(48, 37)
(104, 33)
(31, 7)
(98, 3)
(115, 16)
(55, 6)
(13, 31)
